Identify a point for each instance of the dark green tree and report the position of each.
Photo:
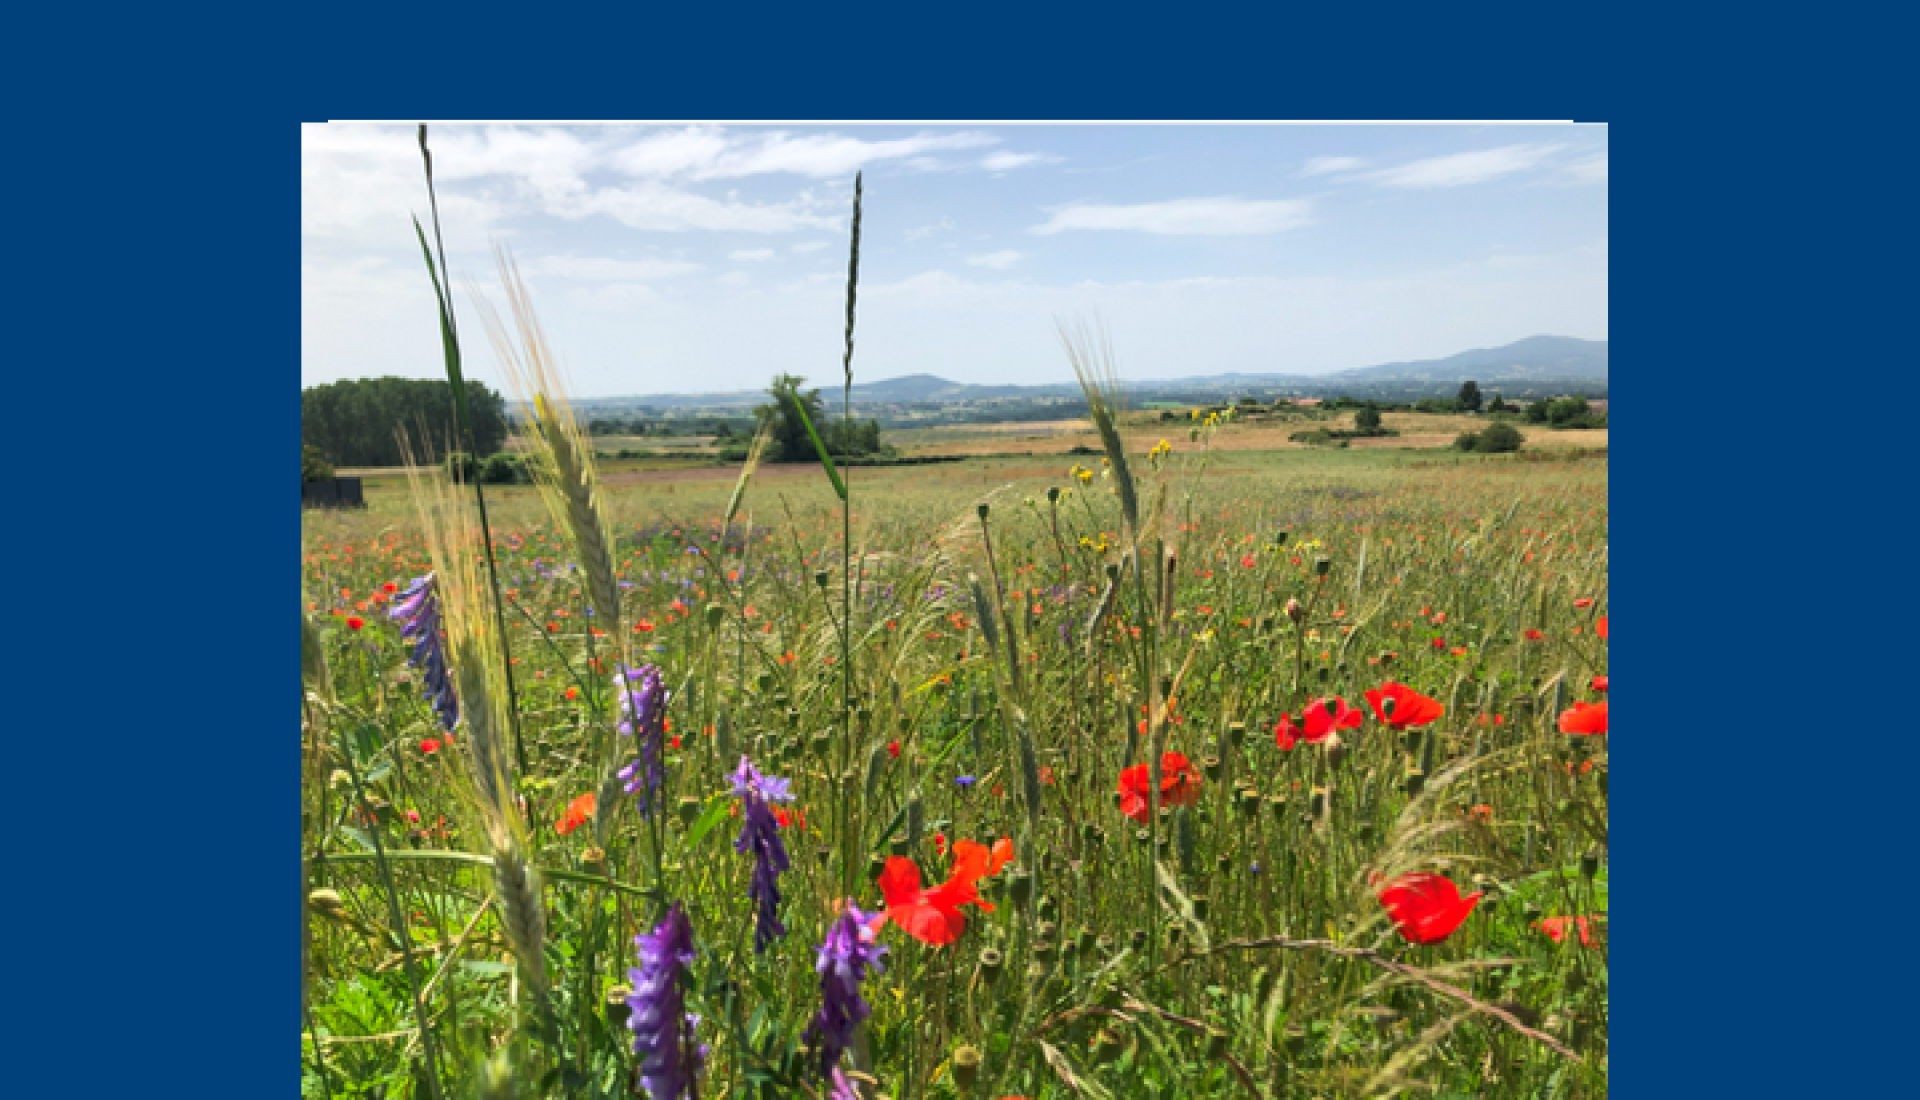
(1499, 437)
(355, 422)
(790, 441)
(1469, 398)
(1367, 419)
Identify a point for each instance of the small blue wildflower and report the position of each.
(418, 612)
(662, 1026)
(760, 835)
(849, 953)
(965, 780)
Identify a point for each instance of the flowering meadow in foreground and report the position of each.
(1374, 863)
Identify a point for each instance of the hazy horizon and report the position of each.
(705, 259)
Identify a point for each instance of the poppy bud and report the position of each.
(1236, 733)
(1210, 767)
(876, 865)
(991, 965)
(326, 902)
(1590, 864)
(966, 1060)
(1249, 801)
(1294, 610)
(1053, 494)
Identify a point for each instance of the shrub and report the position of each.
(313, 465)
(460, 466)
(1500, 438)
(1367, 419)
(1315, 438)
(504, 468)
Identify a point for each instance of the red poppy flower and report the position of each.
(1599, 684)
(1600, 627)
(1439, 643)
(355, 622)
(1556, 929)
(796, 818)
(1585, 718)
(1426, 908)
(1533, 635)
(893, 749)
(973, 861)
(932, 916)
(390, 587)
(1460, 651)
(1583, 603)
(1400, 706)
(578, 811)
(429, 746)
(1319, 718)
(573, 693)
(1179, 786)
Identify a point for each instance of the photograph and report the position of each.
(910, 610)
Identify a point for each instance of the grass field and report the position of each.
(1257, 935)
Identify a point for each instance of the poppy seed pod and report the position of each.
(1321, 566)
(992, 965)
(617, 1007)
(1216, 1043)
(1414, 784)
(1280, 538)
(1278, 804)
(1210, 767)
(819, 578)
(1020, 885)
(714, 614)
(982, 509)
(1236, 734)
(1043, 950)
(1590, 864)
(966, 1060)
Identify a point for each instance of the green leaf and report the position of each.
(826, 460)
(358, 837)
(709, 817)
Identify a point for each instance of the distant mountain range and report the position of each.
(1534, 359)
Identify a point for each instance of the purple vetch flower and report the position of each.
(662, 1026)
(643, 716)
(418, 612)
(965, 781)
(760, 835)
(849, 953)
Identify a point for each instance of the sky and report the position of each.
(692, 258)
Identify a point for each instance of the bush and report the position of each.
(1367, 419)
(459, 466)
(504, 468)
(313, 465)
(1316, 438)
(1084, 451)
(1495, 439)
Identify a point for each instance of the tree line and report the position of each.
(355, 422)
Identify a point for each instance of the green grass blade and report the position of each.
(826, 460)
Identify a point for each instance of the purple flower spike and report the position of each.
(760, 835)
(662, 1026)
(417, 610)
(849, 953)
(643, 715)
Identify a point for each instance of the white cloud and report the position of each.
(1213, 216)
(751, 255)
(595, 268)
(658, 208)
(1458, 169)
(999, 261)
(707, 153)
(809, 246)
(942, 226)
(1325, 166)
(1591, 169)
(1003, 162)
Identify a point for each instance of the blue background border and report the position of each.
(158, 205)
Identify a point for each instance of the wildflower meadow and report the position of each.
(1151, 774)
